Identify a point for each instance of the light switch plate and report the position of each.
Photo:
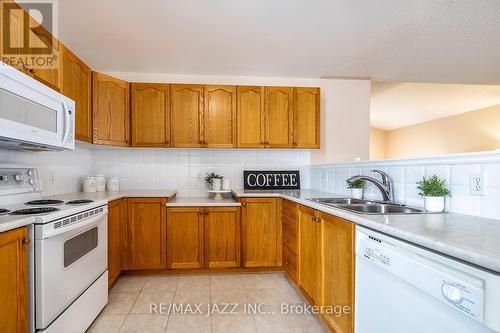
(478, 184)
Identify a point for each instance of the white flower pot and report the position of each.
(216, 184)
(357, 193)
(434, 204)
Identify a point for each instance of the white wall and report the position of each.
(455, 169)
(345, 108)
(67, 166)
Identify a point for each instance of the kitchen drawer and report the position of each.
(290, 225)
(290, 263)
(290, 208)
(290, 241)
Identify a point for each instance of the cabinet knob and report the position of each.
(244, 204)
(27, 241)
(32, 70)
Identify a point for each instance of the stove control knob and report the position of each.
(18, 177)
(452, 293)
(30, 173)
(31, 182)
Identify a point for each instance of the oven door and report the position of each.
(68, 260)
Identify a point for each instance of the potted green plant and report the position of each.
(434, 191)
(357, 187)
(214, 180)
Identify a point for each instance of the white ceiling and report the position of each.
(395, 105)
(453, 41)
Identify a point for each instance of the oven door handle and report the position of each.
(80, 225)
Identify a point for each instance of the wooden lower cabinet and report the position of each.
(117, 218)
(185, 237)
(337, 243)
(14, 281)
(146, 245)
(261, 233)
(310, 254)
(222, 237)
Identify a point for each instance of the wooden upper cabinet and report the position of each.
(185, 237)
(150, 114)
(338, 270)
(187, 113)
(222, 237)
(262, 232)
(219, 116)
(306, 118)
(146, 233)
(310, 253)
(250, 117)
(14, 281)
(111, 110)
(75, 83)
(40, 37)
(279, 117)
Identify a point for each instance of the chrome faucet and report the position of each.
(385, 186)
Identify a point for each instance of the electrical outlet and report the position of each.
(52, 177)
(478, 184)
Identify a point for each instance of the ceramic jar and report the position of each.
(89, 184)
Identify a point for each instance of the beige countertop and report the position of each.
(202, 202)
(114, 195)
(469, 238)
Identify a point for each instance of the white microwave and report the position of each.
(32, 115)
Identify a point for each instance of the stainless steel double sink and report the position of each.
(367, 207)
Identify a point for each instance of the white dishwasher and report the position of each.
(404, 288)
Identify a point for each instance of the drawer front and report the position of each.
(291, 209)
(290, 263)
(290, 225)
(290, 241)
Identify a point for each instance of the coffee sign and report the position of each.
(271, 180)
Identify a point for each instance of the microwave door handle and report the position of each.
(66, 123)
(71, 227)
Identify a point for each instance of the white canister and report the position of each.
(100, 183)
(226, 184)
(216, 184)
(89, 184)
(113, 184)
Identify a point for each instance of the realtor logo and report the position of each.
(27, 34)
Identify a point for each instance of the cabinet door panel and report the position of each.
(279, 117)
(306, 133)
(187, 114)
(185, 237)
(111, 110)
(338, 270)
(115, 226)
(310, 255)
(222, 237)
(251, 120)
(146, 233)
(76, 84)
(150, 115)
(262, 232)
(13, 281)
(219, 116)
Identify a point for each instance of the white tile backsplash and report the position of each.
(455, 172)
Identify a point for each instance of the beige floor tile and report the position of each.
(233, 324)
(160, 283)
(144, 323)
(229, 301)
(151, 302)
(197, 282)
(188, 324)
(224, 281)
(128, 285)
(192, 299)
(119, 303)
(311, 323)
(277, 324)
(259, 281)
(107, 324)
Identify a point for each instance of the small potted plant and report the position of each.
(434, 191)
(214, 180)
(356, 187)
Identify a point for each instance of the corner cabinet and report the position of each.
(14, 280)
(306, 118)
(261, 234)
(110, 110)
(150, 114)
(146, 245)
(187, 110)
